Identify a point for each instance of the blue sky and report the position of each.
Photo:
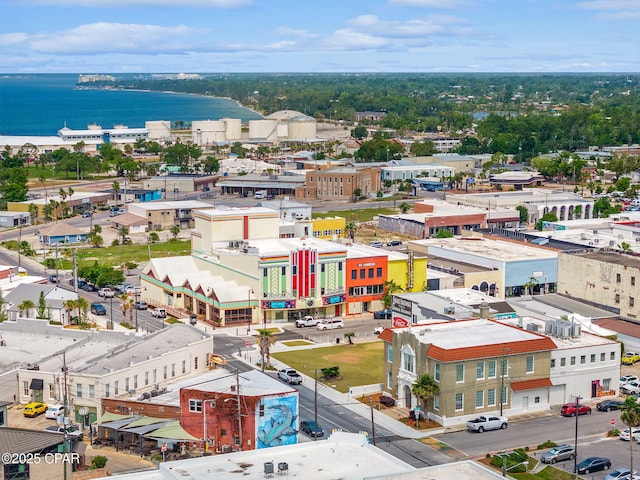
(97, 36)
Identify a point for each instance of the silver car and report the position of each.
(559, 453)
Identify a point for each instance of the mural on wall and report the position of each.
(278, 424)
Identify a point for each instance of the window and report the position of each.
(354, 274)
(135, 381)
(436, 401)
(378, 272)
(563, 362)
(155, 375)
(79, 390)
(52, 392)
(313, 268)
(460, 373)
(436, 372)
(536, 399)
(115, 387)
(529, 366)
(106, 390)
(389, 353)
(632, 301)
(362, 273)
(618, 278)
(25, 388)
(184, 366)
(195, 363)
(603, 357)
(146, 378)
(504, 395)
(479, 398)
(459, 401)
(583, 359)
(322, 268)
(504, 371)
(339, 263)
(265, 272)
(617, 298)
(283, 271)
(294, 269)
(633, 281)
(492, 369)
(370, 272)
(165, 371)
(195, 405)
(593, 358)
(612, 356)
(389, 380)
(126, 384)
(480, 370)
(553, 363)
(173, 369)
(606, 384)
(573, 361)
(408, 360)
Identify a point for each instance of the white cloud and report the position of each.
(347, 39)
(12, 39)
(613, 9)
(145, 3)
(115, 37)
(295, 32)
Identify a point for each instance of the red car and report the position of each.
(569, 410)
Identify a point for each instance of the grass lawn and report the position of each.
(357, 215)
(360, 364)
(547, 473)
(116, 256)
(297, 343)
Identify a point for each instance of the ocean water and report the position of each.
(43, 104)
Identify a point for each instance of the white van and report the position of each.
(261, 194)
(330, 323)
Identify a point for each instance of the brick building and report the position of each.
(339, 183)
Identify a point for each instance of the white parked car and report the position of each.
(54, 411)
(628, 378)
(624, 434)
(631, 388)
(330, 323)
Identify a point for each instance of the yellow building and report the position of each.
(329, 228)
(408, 271)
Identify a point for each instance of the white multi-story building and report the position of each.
(98, 364)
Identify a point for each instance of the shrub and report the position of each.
(99, 461)
(330, 372)
(547, 444)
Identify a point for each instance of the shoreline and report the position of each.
(173, 92)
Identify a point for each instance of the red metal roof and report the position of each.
(486, 351)
(531, 384)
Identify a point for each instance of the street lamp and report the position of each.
(135, 305)
(250, 313)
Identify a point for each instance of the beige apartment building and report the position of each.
(606, 279)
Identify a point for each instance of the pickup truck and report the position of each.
(290, 376)
(484, 422)
(307, 321)
(106, 292)
(73, 431)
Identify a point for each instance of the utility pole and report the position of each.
(575, 446)
(75, 272)
(315, 406)
(373, 426)
(65, 411)
(239, 411)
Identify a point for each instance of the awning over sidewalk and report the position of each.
(531, 384)
(173, 431)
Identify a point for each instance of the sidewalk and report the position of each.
(382, 419)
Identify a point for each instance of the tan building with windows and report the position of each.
(471, 362)
(339, 183)
(606, 279)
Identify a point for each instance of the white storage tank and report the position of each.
(302, 128)
(234, 128)
(206, 132)
(263, 129)
(158, 129)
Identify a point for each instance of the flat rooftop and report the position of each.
(182, 204)
(344, 456)
(358, 250)
(613, 258)
(483, 247)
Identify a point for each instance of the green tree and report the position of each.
(524, 213)
(42, 310)
(425, 388)
(359, 132)
(423, 149)
(3, 310)
(631, 417)
(123, 232)
(349, 336)
(83, 308)
(390, 287)
(444, 233)
(154, 237)
(116, 189)
(175, 230)
(547, 217)
(404, 207)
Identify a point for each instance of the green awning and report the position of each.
(173, 431)
(110, 417)
(141, 422)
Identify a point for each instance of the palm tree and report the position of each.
(116, 189)
(69, 306)
(631, 417)
(26, 306)
(425, 388)
(124, 306)
(265, 341)
(83, 307)
(175, 230)
(123, 232)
